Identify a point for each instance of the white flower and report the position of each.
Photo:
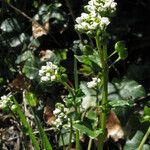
(78, 20)
(41, 72)
(104, 21)
(96, 16)
(56, 111)
(5, 101)
(3, 104)
(45, 78)
(48, 72)
(93, 83)
(53, 78)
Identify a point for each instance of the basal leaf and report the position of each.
(23, 57)
(30, 68)
(10, 25)
(125, 89)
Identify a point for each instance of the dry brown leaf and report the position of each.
(46, 54)
(20, 83)
(38, 31)
(114, 129)
(48, 115)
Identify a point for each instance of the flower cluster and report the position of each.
(61, 115)
(96, 16)
(5, 101)
(48, 72)
(94, 83)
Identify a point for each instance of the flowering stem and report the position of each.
(102, 50)
(78, 109)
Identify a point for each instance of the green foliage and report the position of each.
(125, 90)
(10, 25)
(121, 50)
(146, 115)
(85, 130)
(26, 125)
(135, 142)
(31, 68)
(31, 99)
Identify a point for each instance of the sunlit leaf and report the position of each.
(23, 57)
(17, 41)
(31, 99)
(10, 25)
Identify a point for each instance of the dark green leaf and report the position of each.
(121, 49)
(85, 130)
(20, 40)
(31, 68)
(10, 25)
(64, 137)
(23, 57)
(135, 142)
(125, 90)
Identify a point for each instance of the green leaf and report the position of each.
(89, 59)
(125, 89)
(43, 14)
(10, 25)
(146, 116)
(31, 99)
(87, 50)
(19, 40)
(64, 137)
(92, 115)
(23, 57)
(85, 130)
(84, 59)
(120, 103)
(31, 68)
(135, 141)
(44, 138)
(147, 110)
(121, 49)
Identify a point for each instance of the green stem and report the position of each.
(90, 144)
(144, 139)
(77, 140)
(78, 109)
(103, 117)
(70, 138)
(75, 72)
